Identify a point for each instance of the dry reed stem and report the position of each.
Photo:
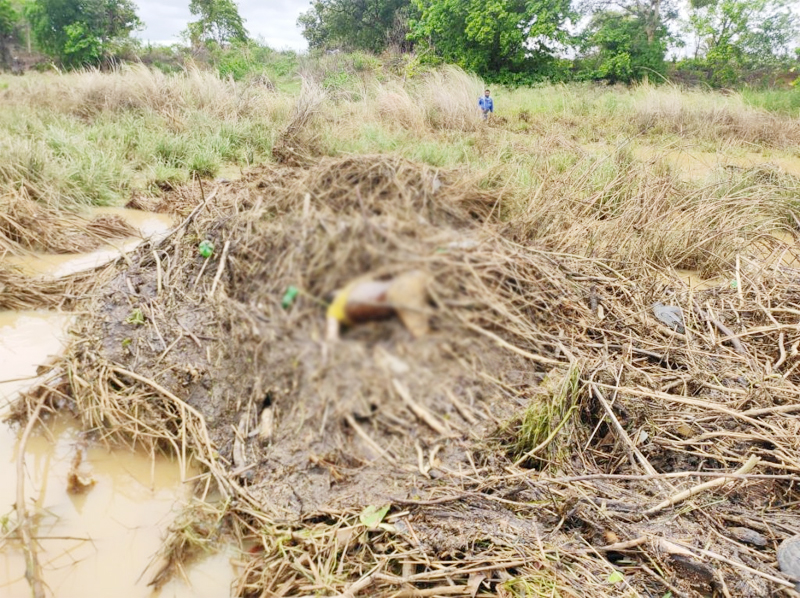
(33, 570)
(688, 493)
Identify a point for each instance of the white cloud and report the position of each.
(275, 21)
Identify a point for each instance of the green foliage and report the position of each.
(242, 60)
(533, 432)
(618, 48)
(785, 101)
(495, 36)
(9, 18)
(81, 46)
(369, 25)
(737, 37)
(81, 32)
(219, 22)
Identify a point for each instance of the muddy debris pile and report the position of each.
(547, 436)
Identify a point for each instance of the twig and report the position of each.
(359, 585)
(510, 347)
(708, 405)
(365, 437)
(681, 496)
(436, 591)
(631, 448)
(462, 409)
(442, 573)
(159, 274)
(33, 571)
(434, 501)
(660, 476)
(729, 335)
(739, 280)
(621, 545)
(782, 349)
(220, 268)
(418, 410)
(188, 220)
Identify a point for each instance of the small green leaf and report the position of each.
(206, 248)
(126, 342)
(372, 516)
(136, 317)
(615, 577)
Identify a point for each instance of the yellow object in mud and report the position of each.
(361, 301)
(338, 307)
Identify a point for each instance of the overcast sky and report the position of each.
(273, 20)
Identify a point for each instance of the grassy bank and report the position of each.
(94, 138)
(574, 162)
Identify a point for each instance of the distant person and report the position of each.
(486, 104)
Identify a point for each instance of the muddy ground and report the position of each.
(524, 446)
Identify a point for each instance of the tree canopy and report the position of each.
(8, 27)
(508, 41)
(735, 35)
(492, 35)
(370, 25)
(620, 47)
(219, 22)
(79, 32)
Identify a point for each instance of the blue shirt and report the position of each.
(486, 103)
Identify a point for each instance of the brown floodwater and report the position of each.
(693, 279)
(695, 164)
(99, 543)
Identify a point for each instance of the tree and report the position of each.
(369, 25)
(8, 29)
(627, 39)
(735, 36)
(621, 47)
(219, 22)
(492, 36)
(81, 32)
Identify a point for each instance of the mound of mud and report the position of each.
(548, 437)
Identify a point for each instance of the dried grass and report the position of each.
(137, 88)
(708, 115)
(639, 216)
(27, 225)
(296, 143)
(490, 494)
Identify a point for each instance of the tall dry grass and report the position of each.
(644, 215)
(96, 137)
(661, 112)
(711, 115)
(136, 88)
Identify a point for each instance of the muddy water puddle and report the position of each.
(27, 339)
(693, 279)
(150, 226)
(99, 543)
(695, 164)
